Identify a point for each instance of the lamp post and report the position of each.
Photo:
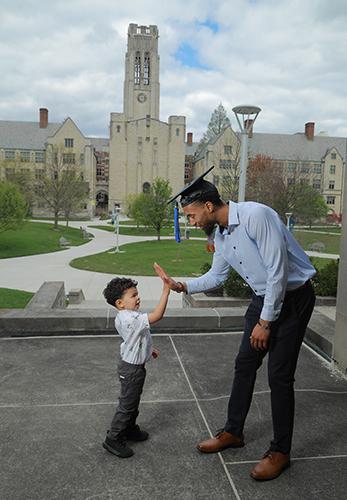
(245, 127)
(117, 211)
(288, 215)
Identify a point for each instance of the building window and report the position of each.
(68, 159)
(82, 159)
(9, 155)
(186, 175)
(146, 187)
(118, 129)
(146, 70)
(332, 169)
(331, 200)
(107, 161)
(39, 157)
(137, 68)
(98, 171)
(216, 180)
(331, 184)
(225, 164)
(317, 168)
(25, 155)
(69, 143)
(333, 156)
(227, 150)
(291, 167)
(305, 168)
(39, 173)
(316, 184)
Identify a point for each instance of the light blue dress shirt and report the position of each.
(264, 253)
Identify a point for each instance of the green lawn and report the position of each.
(36, 238)
(150, 231)
(14, 299)
(331, 241)
(139, 258)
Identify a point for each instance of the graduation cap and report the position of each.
(196, 189)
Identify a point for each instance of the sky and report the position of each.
(287, 57)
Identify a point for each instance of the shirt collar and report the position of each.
(233, 219)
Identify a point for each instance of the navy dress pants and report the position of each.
(286, 337)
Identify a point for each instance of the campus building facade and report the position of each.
(142, 147)
(304, 157)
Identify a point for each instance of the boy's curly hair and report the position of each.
(115, 289)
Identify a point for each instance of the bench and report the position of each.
(317, 247)
(64, 242)
(85, 232)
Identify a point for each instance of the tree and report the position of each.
(155, 210)
(61, 186)
(17, 172)
(310, 206)
(133, 208)
(265, 180)
(219, 122)
(13, 209)
(226, 158)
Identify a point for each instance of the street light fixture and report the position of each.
(117, 211)
(245, 126)
(288, 215)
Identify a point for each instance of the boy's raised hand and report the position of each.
(154, 353)
(164, 276)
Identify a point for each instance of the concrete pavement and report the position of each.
(58, 395)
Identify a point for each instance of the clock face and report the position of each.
(141, 97)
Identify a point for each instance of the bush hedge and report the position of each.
(324, 282)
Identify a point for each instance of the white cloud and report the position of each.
(289, 58)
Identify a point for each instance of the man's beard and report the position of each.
(208, 229)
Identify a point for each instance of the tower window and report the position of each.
(146, 70)
(137, 68)
(146, 187)
(177, 131)
(118, 129)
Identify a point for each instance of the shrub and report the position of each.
(325, 281)
(234, 286)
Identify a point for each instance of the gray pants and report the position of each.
(132, 379)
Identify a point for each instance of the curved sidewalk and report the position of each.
(28, 273)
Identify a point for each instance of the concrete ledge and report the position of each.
(76, 296)
(202, 300)
(26, 322)
(50, 295)
(320, 334)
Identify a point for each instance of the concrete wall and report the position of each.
(340, 338)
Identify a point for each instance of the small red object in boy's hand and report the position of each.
(155, 353)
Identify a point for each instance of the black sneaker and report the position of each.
(135, 434)
(117, 447)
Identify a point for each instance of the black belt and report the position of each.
(305, 285)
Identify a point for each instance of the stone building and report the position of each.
(305, 157)
(142, 147)
(27, 144)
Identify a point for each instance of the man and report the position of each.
(252, 239)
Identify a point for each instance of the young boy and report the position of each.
(135, 351)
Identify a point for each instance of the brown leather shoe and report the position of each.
(271, 466)
(221, 441)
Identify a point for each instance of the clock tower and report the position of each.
(141, 85)
(143, 148)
